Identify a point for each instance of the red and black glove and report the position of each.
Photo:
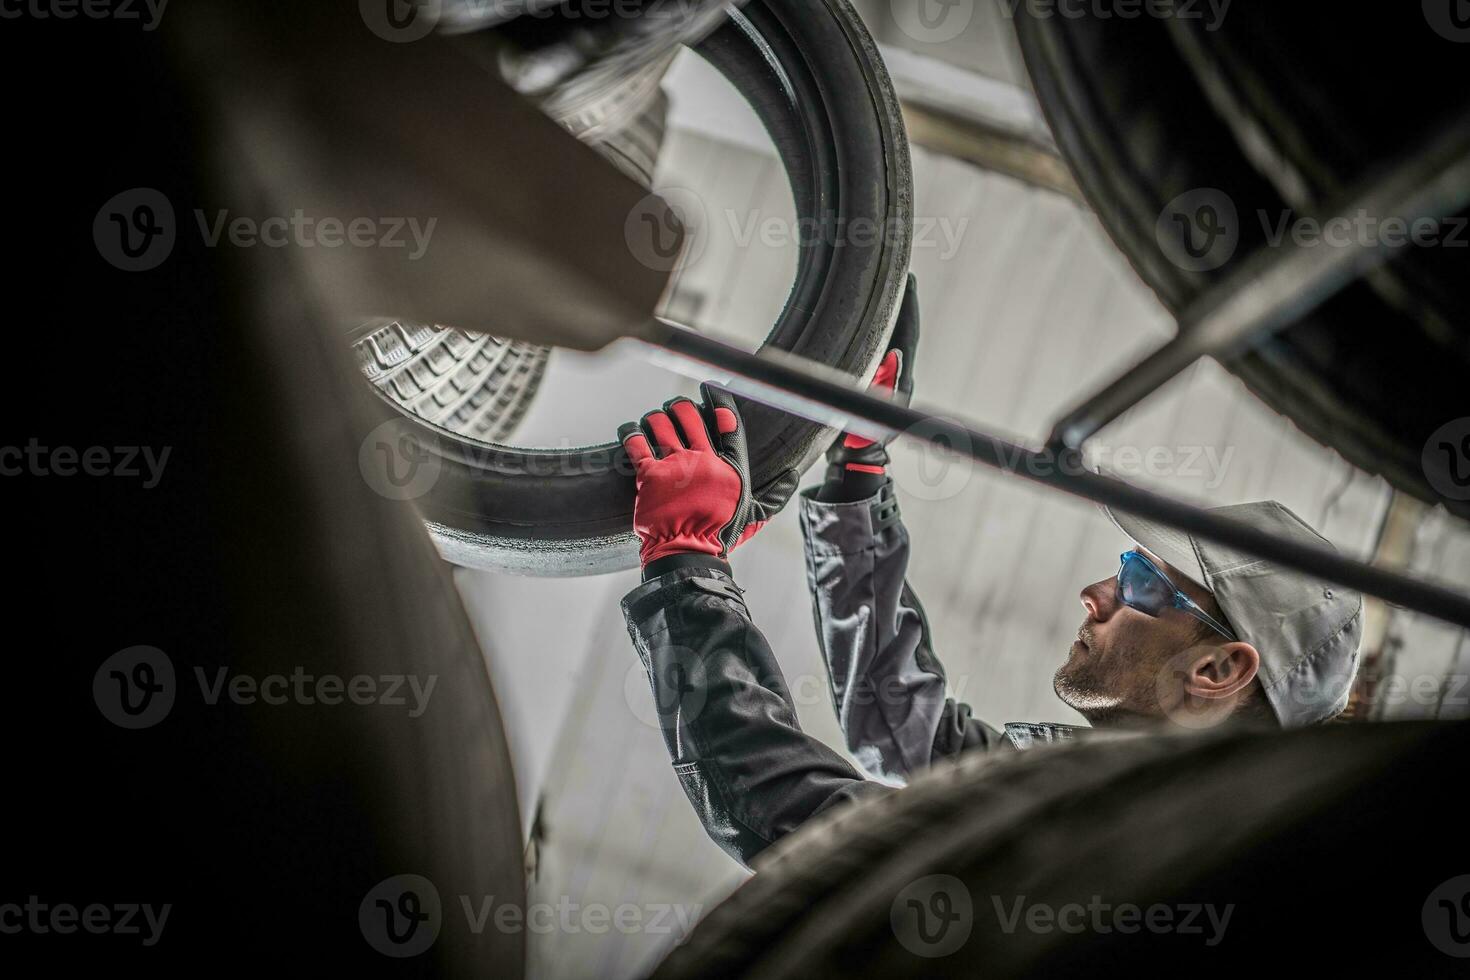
(856, 465)
(693, 475)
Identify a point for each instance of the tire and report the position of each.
(1281, 827)
(470, 383)
(1279, 115)
(474, 384)
(813, 75)
(260, 818)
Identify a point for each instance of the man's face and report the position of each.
(1112, 672)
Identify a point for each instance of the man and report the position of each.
(1187, 634)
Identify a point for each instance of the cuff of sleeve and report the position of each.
(691, 559)
(844, 485)
(656, 594)
(847, 528)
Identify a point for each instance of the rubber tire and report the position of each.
(1303, 833)
(835, 120)
(258, 551)
(470, 383)
(1278, 114)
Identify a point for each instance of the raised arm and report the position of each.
(751, 773)
(888, 687)
(728, 721)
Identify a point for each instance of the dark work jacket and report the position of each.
(728, 720)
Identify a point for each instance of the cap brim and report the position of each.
(1173, 546)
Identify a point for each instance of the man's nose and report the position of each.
(1099, 599)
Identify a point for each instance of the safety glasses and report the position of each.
(1143, 587)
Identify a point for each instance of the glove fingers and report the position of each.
(661, 433)
(887, 375)
(906, 335)
(691, 423)
(635, 443)
(721, 415)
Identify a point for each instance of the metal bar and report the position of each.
(1273, 290)
(796, 386)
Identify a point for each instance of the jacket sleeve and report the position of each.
(887, 685)
(726, 716)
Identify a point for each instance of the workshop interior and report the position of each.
(609, 488)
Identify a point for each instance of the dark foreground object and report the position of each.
(1334, 851)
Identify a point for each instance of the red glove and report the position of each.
(693, 478)
(852, 453)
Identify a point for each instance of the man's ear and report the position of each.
(1221, 671)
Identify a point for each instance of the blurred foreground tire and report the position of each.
(1326, 846)
(244, 692)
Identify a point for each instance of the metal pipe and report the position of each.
(826, 396)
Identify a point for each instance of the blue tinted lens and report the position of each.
(1141, 587)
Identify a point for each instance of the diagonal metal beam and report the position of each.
(1276, 287)
(827, 396)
